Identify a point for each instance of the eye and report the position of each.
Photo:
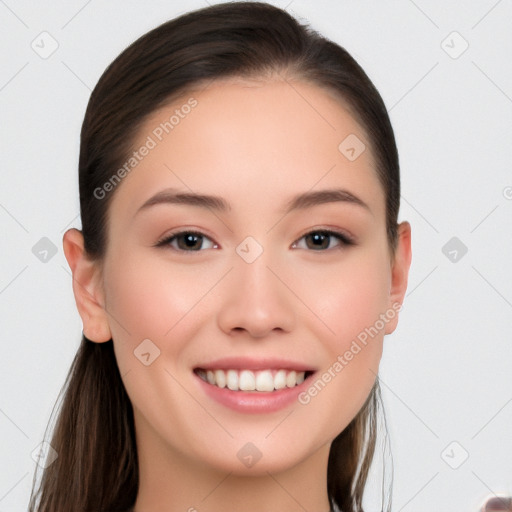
(321, 239)
(194, 241)
(187, 241)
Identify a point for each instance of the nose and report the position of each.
(255, 300)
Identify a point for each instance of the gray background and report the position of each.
(447, 370)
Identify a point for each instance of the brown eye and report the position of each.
(323, 239)
(187, 241)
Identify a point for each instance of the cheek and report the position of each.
(351, 303)
(350, 297)
(351, 300)
(147, 301)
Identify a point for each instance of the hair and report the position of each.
(93, 433)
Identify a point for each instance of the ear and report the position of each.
(399, 273)
(87, 288)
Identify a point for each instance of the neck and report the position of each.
(170, 481)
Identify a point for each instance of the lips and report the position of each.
(253, 385)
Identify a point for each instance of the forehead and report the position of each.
(263, 138)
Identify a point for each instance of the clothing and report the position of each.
(335, 509)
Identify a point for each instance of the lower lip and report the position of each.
(256, 402)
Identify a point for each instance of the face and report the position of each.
(281, 280)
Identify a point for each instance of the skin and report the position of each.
(256, 144)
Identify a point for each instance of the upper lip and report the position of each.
(254, 364)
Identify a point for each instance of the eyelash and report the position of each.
(341, 237)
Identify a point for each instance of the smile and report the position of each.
(248, 380)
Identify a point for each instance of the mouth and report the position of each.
(253, 385)
(262, 381)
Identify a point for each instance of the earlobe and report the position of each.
(400, 272)
(87, 288)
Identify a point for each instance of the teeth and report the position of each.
(280, 379)
(220, 379)
(265, 381)
(247, 380)
(291, 379)
(232, 380)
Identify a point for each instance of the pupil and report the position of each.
(320, 238)
(191, 240)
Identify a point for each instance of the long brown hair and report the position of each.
(96, 469)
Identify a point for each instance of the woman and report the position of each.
(239, 265)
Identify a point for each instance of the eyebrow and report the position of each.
(299, 202)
